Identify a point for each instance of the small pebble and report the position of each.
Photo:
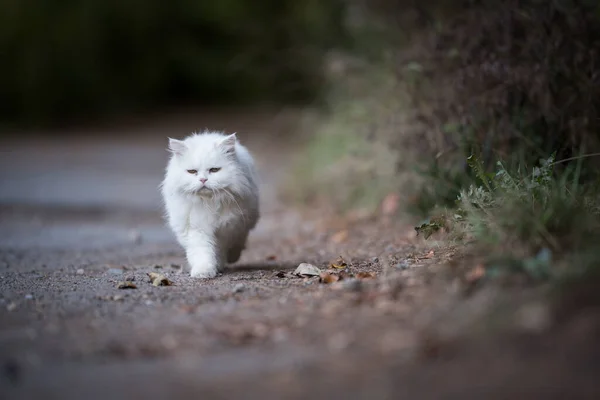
(11, 307)
(239, 288)
(375, 259)
(80, 271)
(130, 278)
(28, 297)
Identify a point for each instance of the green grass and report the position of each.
(541, 221)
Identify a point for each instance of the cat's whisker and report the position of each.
(232, 197)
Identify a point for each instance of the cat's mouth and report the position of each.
(204, 191)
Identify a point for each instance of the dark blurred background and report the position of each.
(81, 59)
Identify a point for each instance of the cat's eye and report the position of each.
(213, 170)
(192, 171)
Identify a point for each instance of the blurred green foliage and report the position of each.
(74, 58)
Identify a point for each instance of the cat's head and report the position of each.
(206, 164)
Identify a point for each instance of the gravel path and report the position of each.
(81, 212)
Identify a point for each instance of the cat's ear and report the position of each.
(229, 143)
(177, 147)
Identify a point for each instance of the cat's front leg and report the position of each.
(202, 255)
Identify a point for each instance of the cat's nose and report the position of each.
(203, 180)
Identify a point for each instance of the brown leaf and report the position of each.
(326, 277)
(429, 255)
(340, 236)
(126, 285)
(365, 275)
(475, 274)
(271, 257)
(339, 263)
(159, 279)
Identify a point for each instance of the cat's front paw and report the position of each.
(203, 272)
(203, 264)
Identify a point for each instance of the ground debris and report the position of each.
(326, 277)
(365, 275)
(158, 279)
(126, 285)
(427, 229)
(334, 276)
(339, 263)
(306, 269)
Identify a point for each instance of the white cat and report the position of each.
(211, 198)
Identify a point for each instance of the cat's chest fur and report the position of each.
(220, 218)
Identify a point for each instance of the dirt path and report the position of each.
(81, 213)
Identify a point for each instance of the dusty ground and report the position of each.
(81, 212)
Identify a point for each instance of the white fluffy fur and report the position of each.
(211, 220)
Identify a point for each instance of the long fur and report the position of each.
(211, 220)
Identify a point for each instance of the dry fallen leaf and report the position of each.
(339, 263)
(326, 277)
(429, 255)
(159, 279)
(475, 274)
(340, 236)
(306, 269)
(272, 257)
(126, 285)
(365, 275)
